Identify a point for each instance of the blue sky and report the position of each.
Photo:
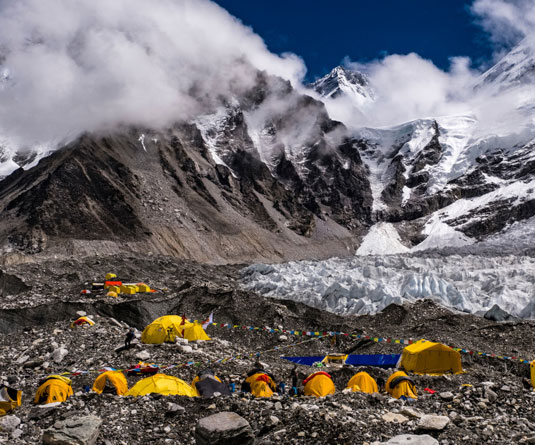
(323, 33)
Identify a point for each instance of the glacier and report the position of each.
(367, 284)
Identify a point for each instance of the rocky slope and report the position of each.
(498, 407)
(235, 185)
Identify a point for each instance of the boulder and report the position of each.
(412, 439)
(431, 422)
(9, 423)
(143, 355)
(446, 396)
(394, 418)
(73, 431)
(186, 348)
(223, 428)
(496, 313)
(59, 354)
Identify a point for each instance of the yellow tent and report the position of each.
(194, 332)
(168, 327)
(425, 357)
(363, 382)
(161, 384)
(319, 384)
(9, 399)
(56, 388)
(163, 329)
(532, 366)
(400, 385)
(261, 384)
(82, 321)
(115, 378)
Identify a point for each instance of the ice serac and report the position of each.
(265, 174)
(368, 284)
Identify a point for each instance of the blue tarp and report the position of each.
(379, 360)
(309, 361)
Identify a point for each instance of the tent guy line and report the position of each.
(376, 339)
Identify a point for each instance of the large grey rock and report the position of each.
(9, 423)
(412, 439)
(430, 422)
(446, 396)
(73, 431)
(496, 313)
(59, 354)
(223, 428)
(394, 418)
(143, 355)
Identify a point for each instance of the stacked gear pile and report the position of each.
(206, 384)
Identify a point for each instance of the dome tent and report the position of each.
(166, 385)
(400, 386)
(319, 384)
(114, 378)
(55, 388)
(363, 382)
(169, 327)
(259, 383)
(10, 399)
(425, 357)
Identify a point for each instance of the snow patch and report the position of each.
(382, 239)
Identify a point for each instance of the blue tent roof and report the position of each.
(379, 360)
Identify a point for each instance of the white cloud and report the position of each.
(85, 65)
(506, 21)
(409, 87)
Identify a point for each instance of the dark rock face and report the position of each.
(124, 188)
(11, 284)
(496, 313)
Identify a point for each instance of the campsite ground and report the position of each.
(40, 298)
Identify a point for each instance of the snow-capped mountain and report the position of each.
(343, 81)
(516, 68)
(449, 180)
(269, 166)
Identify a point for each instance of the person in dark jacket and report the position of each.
(130, 335)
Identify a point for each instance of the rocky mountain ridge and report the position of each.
(267, 175)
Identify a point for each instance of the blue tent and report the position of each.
(378, 360)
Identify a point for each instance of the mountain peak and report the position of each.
(344, 81)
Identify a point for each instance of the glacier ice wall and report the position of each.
(363, 285)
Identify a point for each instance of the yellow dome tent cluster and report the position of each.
(169, 327)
